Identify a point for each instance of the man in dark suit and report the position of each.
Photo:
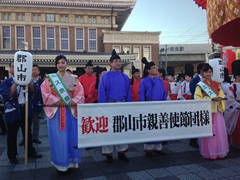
(193, 83)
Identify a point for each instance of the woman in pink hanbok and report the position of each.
(215, 146)
(61, 92)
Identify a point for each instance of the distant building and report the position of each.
(177, 55)
(80, 29)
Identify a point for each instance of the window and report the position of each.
(92, 20)
(147, 53)
(79, 39)
(105, 20)
(127, 49)
(21, 16)
(50, 38)
(37, 17)
(64, 18)
(6, 37)
(79, 19)
(36, 31)
(92, 40)
(64, 38)
(7, 17)
(50, 17)
(20, 37)
(117, 49)
(137, 49)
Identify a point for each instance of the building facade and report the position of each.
(177, 55)
(77, 28)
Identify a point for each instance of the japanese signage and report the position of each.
(218, 69)
(125, 123)
(23, 67)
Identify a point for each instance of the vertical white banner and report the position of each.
(23, 63)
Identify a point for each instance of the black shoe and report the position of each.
(160, 153)
(193, 144)
(149, 154)
(13, 161)
(63, 173)
(36, 141)
(109, 159)
(35, 156)
(123, 157)
(21, 143)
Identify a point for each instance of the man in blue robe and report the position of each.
(14, 113)
(152, 89)
(114, 87)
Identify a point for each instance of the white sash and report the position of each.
(60, 88)
(208, 90)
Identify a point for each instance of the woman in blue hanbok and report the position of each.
(61, 93)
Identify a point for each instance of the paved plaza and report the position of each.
(181, 161)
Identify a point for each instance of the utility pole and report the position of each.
(166, 60)
(161, 57)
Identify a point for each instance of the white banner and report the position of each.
(137, 122)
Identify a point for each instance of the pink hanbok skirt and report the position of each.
(215, 146)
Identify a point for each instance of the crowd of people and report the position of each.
(60, 92)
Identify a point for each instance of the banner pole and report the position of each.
(26, 125)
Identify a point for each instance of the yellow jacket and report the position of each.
(216, 105)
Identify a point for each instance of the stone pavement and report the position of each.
(180, 162)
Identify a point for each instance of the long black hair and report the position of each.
(99, 70)
(226, 76)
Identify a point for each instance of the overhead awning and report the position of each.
(223, 18)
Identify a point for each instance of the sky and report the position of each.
(180, 21)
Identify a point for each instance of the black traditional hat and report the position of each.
(170, 71)
(189, 70)
(114, 56)
(89, 63)
(149, 65)
(236, 67)
(134, 70)
(144, 61)
(162, 70)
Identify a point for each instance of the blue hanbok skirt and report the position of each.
(63, 144)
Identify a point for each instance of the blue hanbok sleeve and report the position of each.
(129, 92)
(141, 91)
(102, 97)
(164, 95)
(129, 96)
